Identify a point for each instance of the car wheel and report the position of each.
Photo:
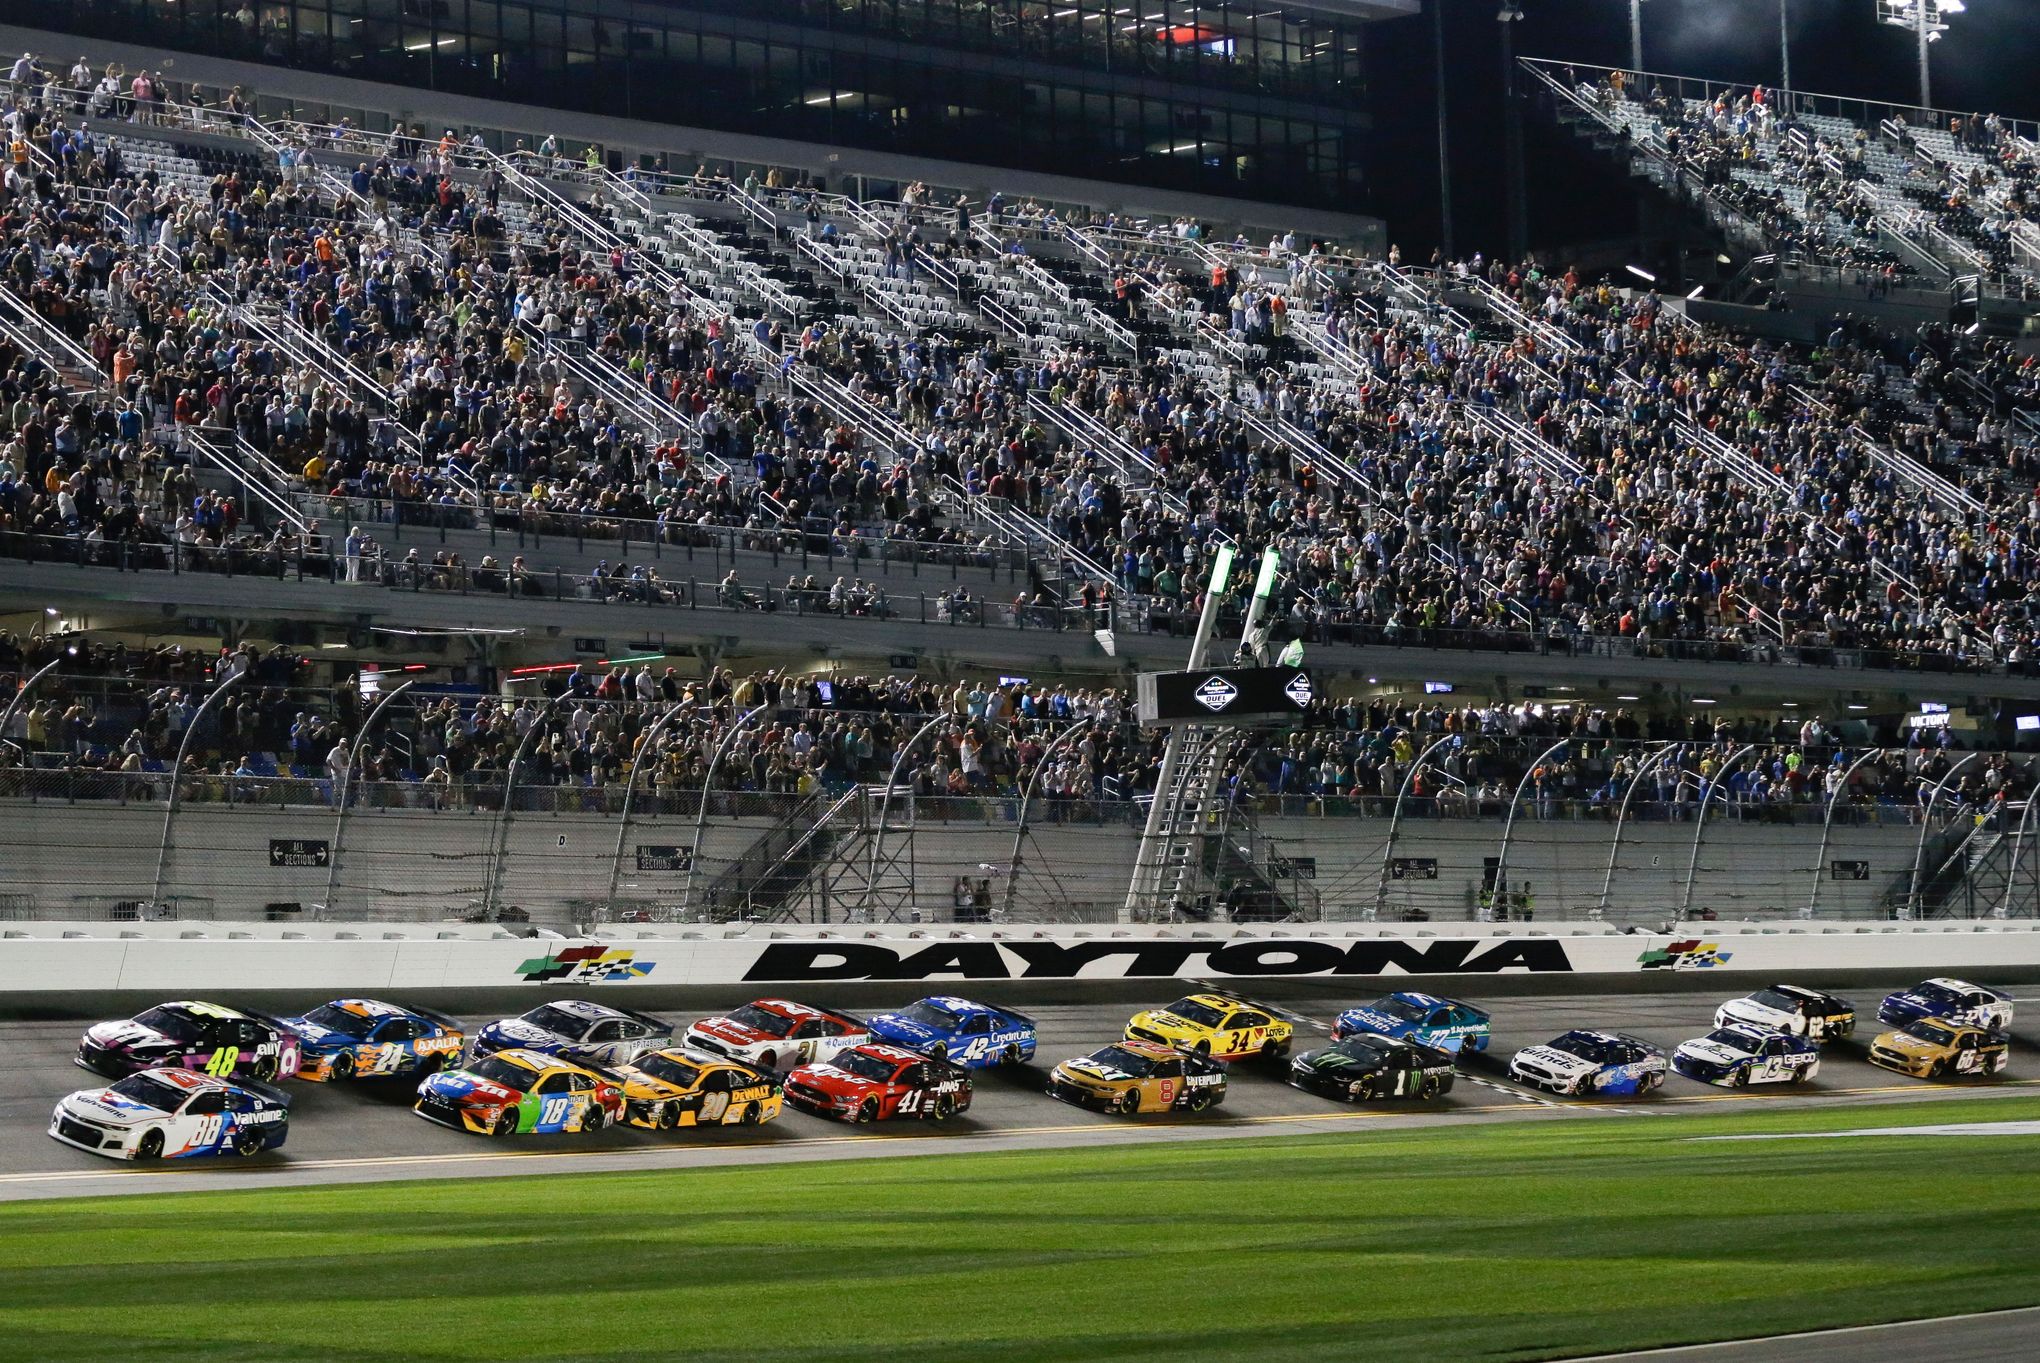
(1275, 1050)
(248, 1141)
(770, 1060)
(867, 1111)
(938, 1052)
(1938, 1070)
(668, 1118)
(1199, 1100)
(1365, 1093)
(506, 1123)
(265, 1068)
(1128, 1104)
(944, 1109)
(150, 1146)
(343, 1066)
(1742, 1078)
(1428, 1089)
(597, 1118)
(1204, 1049)
(1010, 1056)
(751, 1117)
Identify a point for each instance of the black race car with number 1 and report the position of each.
(1365, 1066)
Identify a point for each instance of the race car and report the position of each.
(1214, 1025)
(174, 1114)
(1140, 1076)
(1950, 1000)
(772, 1032)
(1582, 1063)
(575, 1029)
(357, 1038)
(1738, 1055)
(974, 1035)
(1935, 1048)
(875, 1082)
(518, 1092)
(223, 1042)
(1791, 1008)
(1365, 1065)
(1442, 1024)
(679, 1087)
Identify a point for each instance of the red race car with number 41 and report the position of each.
(875, 1082)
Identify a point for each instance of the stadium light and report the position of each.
(1928, 19)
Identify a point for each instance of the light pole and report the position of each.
(1444, 138)
(1785, 51)
(1511, 14)
(1636, 37)
(1928, 20)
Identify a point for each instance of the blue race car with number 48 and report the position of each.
(973, 1035)
(1442, 1024)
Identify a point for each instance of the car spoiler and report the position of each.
(268, 1019)
(635, 1016)
(447, 1020)
(1650, 1046)
(1020, 1018)
(851, 1018)
(267, 1092)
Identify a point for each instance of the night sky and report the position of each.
(1985, 62)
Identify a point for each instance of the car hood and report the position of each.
(462, 1087)
(1371, 1020)
(638, 1084)
(1712, 1051)
(128, 1035)
(730, 1033)
(1910, 1045)
(1165, 1020)
(1750, 1011)
(320, 1039)
(517, 1032)
(905, 1028)
(109, 1108)
(1328, 1060)
(1094, 1070)
(1564, 1062)
(841, 1081)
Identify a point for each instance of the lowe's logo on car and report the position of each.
(1215, 693)
(1299, 690)
(1120, 959)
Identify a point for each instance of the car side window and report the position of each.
(556, 1082)
(807, 1029)
(978, 1023)
(205, 1104)
(607, 1031)
(1249, 1020)
(580, 1083)
(253, 1033)
(399, 1029)
(1169, 1069)
(715, 1081)
(1968, 1042)
(917, 1074)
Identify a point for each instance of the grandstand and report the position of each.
(445, 402)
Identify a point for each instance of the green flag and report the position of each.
(1292, 656)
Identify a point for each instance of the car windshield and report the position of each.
(497, 1070)
(1125, 1061)
(1934, 1032)
(1190, 1010)
(865, 1066)
(1735, 1041)
(672, 1071)
(171, 1023)
(558, 1021)
(340, 1020)
(929, 1015)
(1402, 1008)
(1771, 998)
(1934, 993)
(1355, 1049)
(758, 1020)
(147, 1089)
(1584, 1046)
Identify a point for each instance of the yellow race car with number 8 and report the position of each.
(1214, 1025)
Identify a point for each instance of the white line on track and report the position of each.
(1677, 1349)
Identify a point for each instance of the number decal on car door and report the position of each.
(910, 1103)
(713, 1105)
(223, 1061)
(554, 1112)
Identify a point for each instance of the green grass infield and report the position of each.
(1512, 1240)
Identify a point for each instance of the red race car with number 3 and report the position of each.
(875, 1082)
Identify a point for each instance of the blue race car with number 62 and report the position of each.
(973, 1035)
(1442, 1024)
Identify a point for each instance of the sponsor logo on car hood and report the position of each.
(1565, 1062)
(893, 1025)
(128, 1036)
(1092, 1069)
(1752, 1011)
(1713, 1051)
(732, 1033)
(459, 1084)
(521, 1033)
(1370, 1020)
(110, 1108)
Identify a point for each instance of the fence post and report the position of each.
(1395, 818)
(2004, 908)
(500, 836)
(345, 788)
(700, 810)
(1700, 822)
(1622, 817)
(1027, 798)
(21, 694)
(177, 782)
(1912, 898)
(1497, 892)
(1827, 823)
(885, 805)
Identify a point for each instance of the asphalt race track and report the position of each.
(366, 1131)
(1984, 1338)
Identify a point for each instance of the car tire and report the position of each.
(867, 1112)
(1938, 1070)
(1203, 1048)
(597, 1118)
(264, 1069)
(937, 1052)
(1428, 1090)
(1742, 1078)
(343, 1067)
(248, 1142)
(668, 1118)
(1198, 1100)
(150, 1147)
(943, 1109)
(769, 1060)
(750, 1117)
(1275, 1051)
(1366, 1093)
(506, 1124)
(1128, 1104)
(1010, 1056)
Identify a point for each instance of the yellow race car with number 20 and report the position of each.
(1214, 1025)
(681, 1087)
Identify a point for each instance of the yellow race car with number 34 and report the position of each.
(682, 1087)
(1214, 1025)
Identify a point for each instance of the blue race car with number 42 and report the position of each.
(1442, 1024)
(973, 1035)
